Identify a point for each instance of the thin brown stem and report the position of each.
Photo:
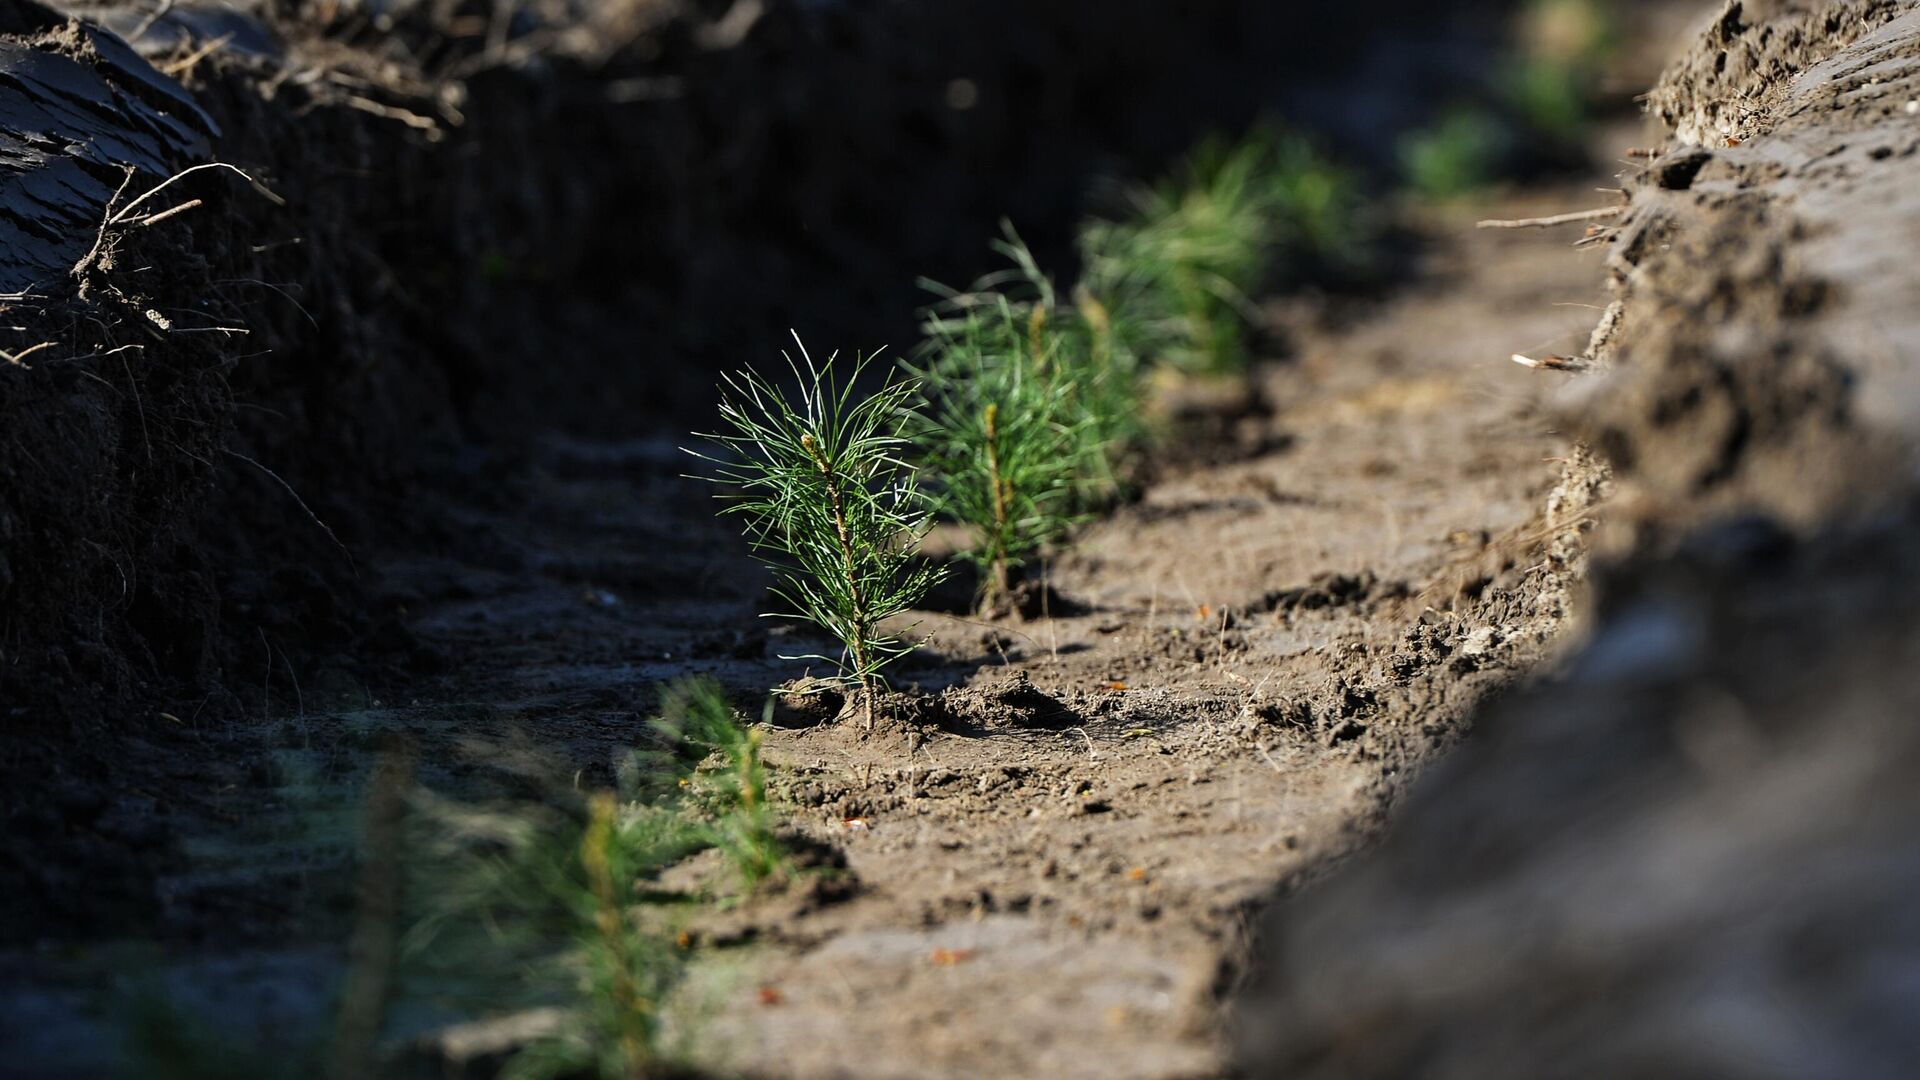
(1095, 313)
(1002, 494)
(1555, 219)
(368, 986)
(861, 629)
(749, 791)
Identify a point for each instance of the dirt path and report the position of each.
(1055, 879)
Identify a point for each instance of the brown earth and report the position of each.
(1058, 845)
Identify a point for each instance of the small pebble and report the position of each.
(1913, 108)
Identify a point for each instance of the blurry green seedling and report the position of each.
(1188, 253)
(719, 771)
(1004, 444)
(1551, 81)
(1537, 109)
(1087, 351)
(1460, 154)
(830, 505)
(554, 888)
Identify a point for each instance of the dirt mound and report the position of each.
(1690, 850)
(1756, 357)
(110, 428)
(1692, 855)
(1732, 82)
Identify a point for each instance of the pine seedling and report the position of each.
(1317, 211)
(1001, 439)
(1186, 257)
(1189, 252)
(1086, 350)
(721, 772)
(830, 506)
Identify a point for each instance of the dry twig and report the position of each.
(1556, 219)
(1552, 363)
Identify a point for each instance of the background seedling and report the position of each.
(1185, 257)
(1459, 154)
(1186, 254)
(1535, 111)
(830, 505)
(1002, 440)
(1552, 82)
(1088, 350)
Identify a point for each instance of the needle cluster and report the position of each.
(555, 886)
(563, 885)
(718, 770)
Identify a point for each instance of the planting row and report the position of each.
(1018, 415)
